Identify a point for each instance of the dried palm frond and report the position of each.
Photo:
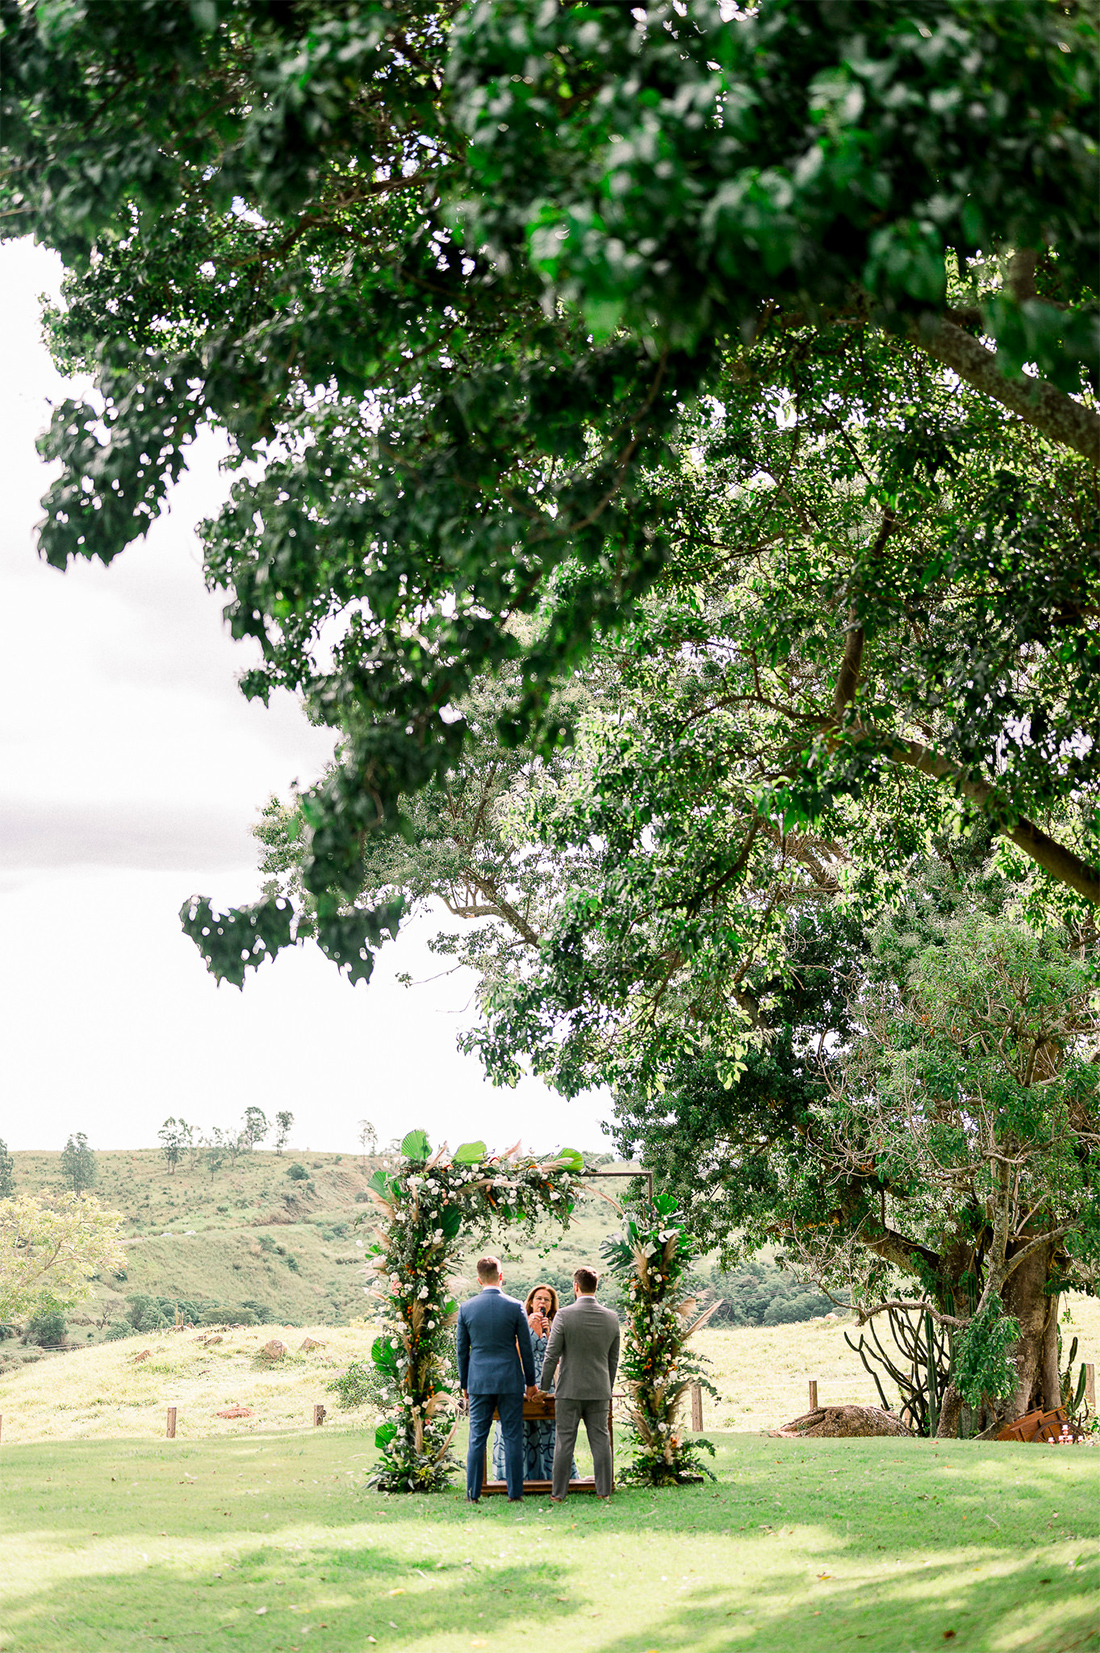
(610, 1200)
(704, 1317)
(447, 1442)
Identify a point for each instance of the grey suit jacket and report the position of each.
(585, 1340)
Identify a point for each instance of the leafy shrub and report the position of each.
(983, 1363)
(265, 1316)
(47, 1328)
(297, 1173)
(119, 1330)
(363, 1384)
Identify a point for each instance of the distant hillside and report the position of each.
(252, 1233)
(272, 1238)
(258, 1238)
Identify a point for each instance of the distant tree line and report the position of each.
(178, 1138)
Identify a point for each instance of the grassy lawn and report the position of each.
(271, 1543)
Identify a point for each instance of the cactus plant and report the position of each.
(924, 1370)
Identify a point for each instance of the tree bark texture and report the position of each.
(950, 1412)
(1024, 1297)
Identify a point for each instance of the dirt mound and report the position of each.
(841, 1421)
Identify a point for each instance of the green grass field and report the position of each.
(260, 1535)
(272, 1545)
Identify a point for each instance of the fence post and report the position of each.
(813, 1394)
(697, 1408)
(318, 1415)
(171, 1423)
(1090, 1384)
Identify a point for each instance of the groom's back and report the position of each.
(585, 1339)
(491, 1321)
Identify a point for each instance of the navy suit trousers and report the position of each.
(510, 1408)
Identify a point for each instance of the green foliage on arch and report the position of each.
(424, 1211)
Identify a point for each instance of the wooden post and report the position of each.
(171, 1423)
(318, 1415)
(696, 1408)
(813, 1394)
(1090, 1384)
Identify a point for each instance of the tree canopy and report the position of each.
(49, 1251)
(516, 312)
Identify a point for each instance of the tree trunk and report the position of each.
(1036, 1354)
(950, 1412)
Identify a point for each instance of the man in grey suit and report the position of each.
(585, 1339)
(496, 1358)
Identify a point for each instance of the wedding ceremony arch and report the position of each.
(427, 1210)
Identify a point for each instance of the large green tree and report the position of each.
(454, 280)
(920, 1125)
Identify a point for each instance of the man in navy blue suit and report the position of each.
(496, 1359)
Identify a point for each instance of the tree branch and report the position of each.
(1046, 852)
(1038, 403)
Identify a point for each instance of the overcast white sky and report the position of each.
(131, 771)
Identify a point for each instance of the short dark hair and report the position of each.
(587, 1279)
(488, 1269)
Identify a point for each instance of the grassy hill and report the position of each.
(102, 1393)
(258, 1233)
(250, 1233)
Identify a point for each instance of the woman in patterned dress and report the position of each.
(538, 1433)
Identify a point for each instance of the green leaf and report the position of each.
(415, 1145)
(384, 1434)
(571, 1159)
(470, 1153)
(384, 1356)
(451, 1222)
(665, 1204)
(380, 1182)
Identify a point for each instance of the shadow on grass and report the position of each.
(800, 1548)
(913, 1613)
(344, 1596)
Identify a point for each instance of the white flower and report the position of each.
(431, 1325)
(423, 1292)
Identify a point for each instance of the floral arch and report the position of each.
(424, 1213)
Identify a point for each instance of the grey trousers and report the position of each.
(567, 1420)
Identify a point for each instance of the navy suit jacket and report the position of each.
(489, 1327)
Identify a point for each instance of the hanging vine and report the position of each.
(652, 1257)
(425, 1211)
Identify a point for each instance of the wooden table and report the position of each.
(542, 1408)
